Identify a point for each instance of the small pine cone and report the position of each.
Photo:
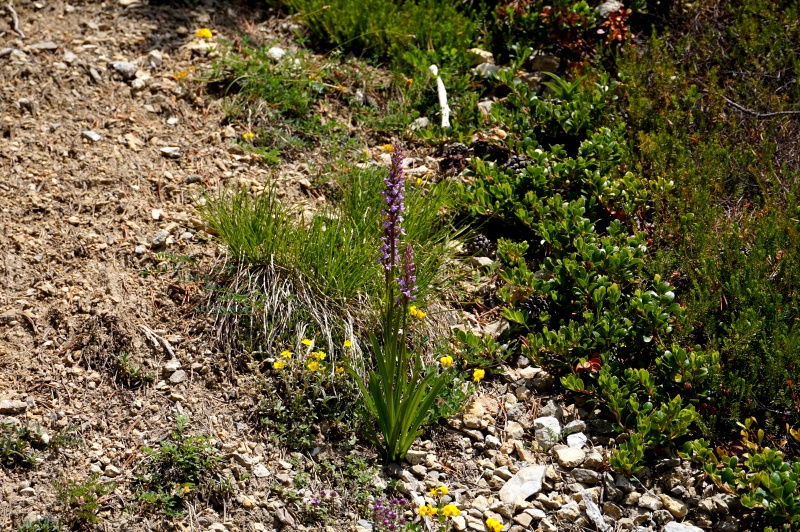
(481, 245)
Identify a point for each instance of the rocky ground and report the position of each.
(105, 147)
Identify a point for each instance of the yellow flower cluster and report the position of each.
(478, 375)
(450, 510)
(441, 491)
(278, 364)
(249, 135)
(313, 365)
(307, 342)
(494, 525)
(427, 509)
(446, 361)
(203, 33)
(417, 313)
(318, 355)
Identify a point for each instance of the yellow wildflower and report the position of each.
(319, 355)
(387, 148)
(307, 342)
(494, 525)
(477, 375)
(419, 181)
(439, 492)
(286, 354)
(417, 313)
(446, 361)
(186, 489)
(409, 81)
(180, 75)
(278, 364)
(203, 33)
(348, 343)
(450, 510)
(339, 369)
(313, 365)
(427, 509)
(249, 135)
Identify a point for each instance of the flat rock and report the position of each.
(548, 430)
(570, 457)
(577, 440)
(527, 482)
(12, 407)
(91, 135)
(677, 508)
(39, 46)
(178, 377)
(124, 68)
(680, 527)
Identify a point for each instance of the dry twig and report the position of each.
(756, 113)
(15, 20)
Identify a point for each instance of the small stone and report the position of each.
(577, 440)
(552, 409)
(123, 68)
(414, 457)
(260, 471)
(276, 53)
(624, 484)
(548, 430)
(91, 136)
(27, 492)
(492, 442)
(574, 427)
(527, 482)
(677, 508)
(155, 58)
(459, 522)
(171, 152)
(130, 3)
(482, 262)
(612, 510)
(159, 239)
(523, 519)
(569, 512)
(536, 514)
(41, 46)
(248, 503)
(178, 377)
(515, 430)
(593, 511)
(570, 457)
(157, 214)
(140, 250)
(12, 407)
(674, 526)
(542, 381)
(585, 476)
(650, 502)
(480, 57)
(594, 460)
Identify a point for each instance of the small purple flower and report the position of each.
(408, 280)
(393, 197)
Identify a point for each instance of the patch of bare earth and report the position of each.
(101, 252)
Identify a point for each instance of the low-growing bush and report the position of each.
(81, 500)
(180, 469)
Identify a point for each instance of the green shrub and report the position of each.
(80, 500)
(371, 28)
(728, 234)
(182, 468)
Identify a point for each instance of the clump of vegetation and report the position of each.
(306, 394)
(182, 468)
(375, 29)
(45, 523)
(81, 500)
